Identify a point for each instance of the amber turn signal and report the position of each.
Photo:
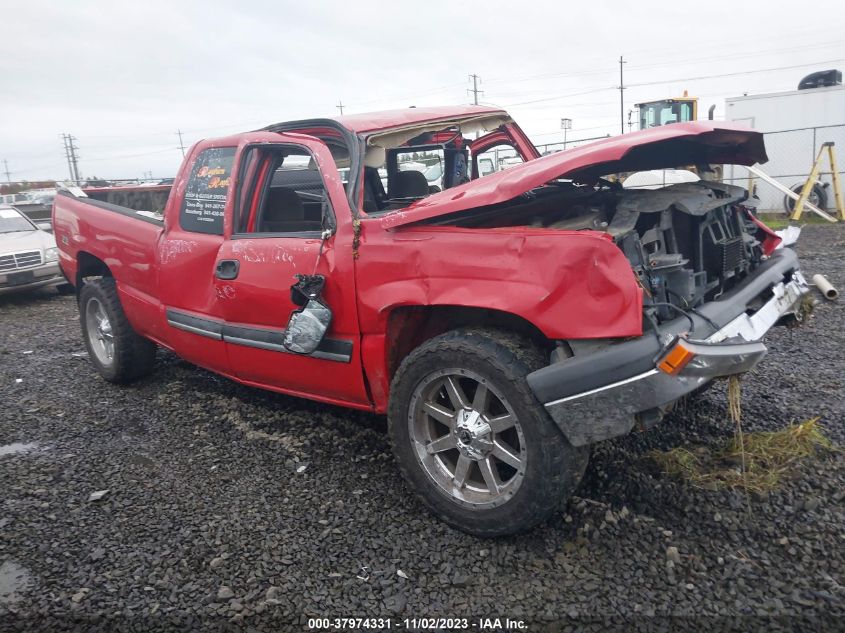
(675, 359)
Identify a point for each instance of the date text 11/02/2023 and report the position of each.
(417, 624)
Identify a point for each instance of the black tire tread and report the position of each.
(514, 356)
(134, 354)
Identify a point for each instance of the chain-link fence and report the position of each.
(503, 157)
(549, 148)
(791, 156)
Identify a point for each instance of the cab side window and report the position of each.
(207, 191)
(286, 194)
(495, 159)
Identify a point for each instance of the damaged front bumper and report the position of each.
(602, 395)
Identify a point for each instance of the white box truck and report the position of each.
(796, 124)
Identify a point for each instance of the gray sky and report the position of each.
(124, 76)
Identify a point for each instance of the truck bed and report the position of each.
(121, 237)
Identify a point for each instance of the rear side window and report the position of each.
(207, 191)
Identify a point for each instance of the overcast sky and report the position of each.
(123, 77)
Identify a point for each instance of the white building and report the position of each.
(796, 124)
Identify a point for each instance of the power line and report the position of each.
(429, 92)
(679, 79)
(571, 94)
(663, 64)
(594, 104)
(119, 157)
(736, 74)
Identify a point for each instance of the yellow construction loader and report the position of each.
(665, 111)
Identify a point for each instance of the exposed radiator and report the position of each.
(732, 252)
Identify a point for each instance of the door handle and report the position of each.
(227, 269)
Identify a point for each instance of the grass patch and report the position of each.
(775, 223)
(769, 456)
(778, 221)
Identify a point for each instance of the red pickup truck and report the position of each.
(503, 322)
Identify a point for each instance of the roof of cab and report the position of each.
(388, 119)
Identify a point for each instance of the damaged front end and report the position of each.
(712, 281)
(713, 285)
(604, 394)
(688, 243)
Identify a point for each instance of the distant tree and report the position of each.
(23, 185)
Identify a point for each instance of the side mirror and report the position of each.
(45, 226)
(307, 327)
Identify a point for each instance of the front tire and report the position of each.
(118, 352)
(471, 439)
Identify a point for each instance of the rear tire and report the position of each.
(118, 352)
(471, 439)
(818, 197)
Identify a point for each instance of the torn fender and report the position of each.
(570, 285)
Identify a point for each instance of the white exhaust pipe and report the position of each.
(825, 287)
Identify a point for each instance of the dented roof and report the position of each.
(388, 119)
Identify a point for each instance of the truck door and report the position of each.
(187, 253)
(291, 217)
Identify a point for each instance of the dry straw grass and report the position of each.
(768, 457)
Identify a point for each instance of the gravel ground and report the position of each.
(230, 506)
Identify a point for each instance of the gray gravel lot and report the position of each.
(228, 505)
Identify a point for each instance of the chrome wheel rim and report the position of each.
(99, 330)
(467, 438)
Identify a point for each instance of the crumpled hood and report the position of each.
(695, 143)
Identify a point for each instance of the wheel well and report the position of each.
(408, 327)
(90, 266)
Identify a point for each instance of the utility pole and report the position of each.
(474, 90)
(6, 171)
(67, 155)
(181, 144)
(621, 97)
(72, 157)
(339, 106)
